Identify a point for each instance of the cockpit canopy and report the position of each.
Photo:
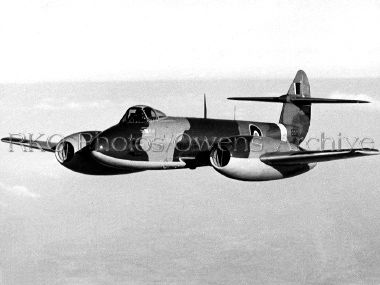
(141, 114)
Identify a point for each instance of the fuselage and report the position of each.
(172, 142)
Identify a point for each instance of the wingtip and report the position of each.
(342, 100)
(11, 140)
(369, 151)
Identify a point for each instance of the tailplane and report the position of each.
(296, 109)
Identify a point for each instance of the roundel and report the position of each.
(254, 131)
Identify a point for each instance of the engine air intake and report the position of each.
(221, 157)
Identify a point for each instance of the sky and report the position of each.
(53, 40)
(74, 66)
(185, 226)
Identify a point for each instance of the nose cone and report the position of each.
(119, 147)
(98, 147)
(117, 142)
(100, 144)
(110, 142)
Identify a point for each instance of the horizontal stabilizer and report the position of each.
(303, 157)
(296, 100)
(41, 145)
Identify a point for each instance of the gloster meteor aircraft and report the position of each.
(147, 139)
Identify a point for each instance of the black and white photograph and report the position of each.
(189, 142)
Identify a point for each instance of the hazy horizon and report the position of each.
(185, 226)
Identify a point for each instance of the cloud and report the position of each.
(45, 106)
(374, 104)
(18, 190)
(50, 104)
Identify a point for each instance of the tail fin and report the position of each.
(296, 109)
(294, 115)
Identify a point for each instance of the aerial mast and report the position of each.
(204, 106)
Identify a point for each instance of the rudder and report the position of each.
(296, 117)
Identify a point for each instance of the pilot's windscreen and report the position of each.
(137, 116)
(125, 117)
(159, 114)
(150, 113)
(134, 115)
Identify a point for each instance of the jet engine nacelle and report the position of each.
(239, 158)
(73, 153)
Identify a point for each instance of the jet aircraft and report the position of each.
(147, 139)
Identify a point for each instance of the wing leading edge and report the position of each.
(303, 157)
(41, 145)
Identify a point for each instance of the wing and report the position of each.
(41, 145)
(303, 157)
